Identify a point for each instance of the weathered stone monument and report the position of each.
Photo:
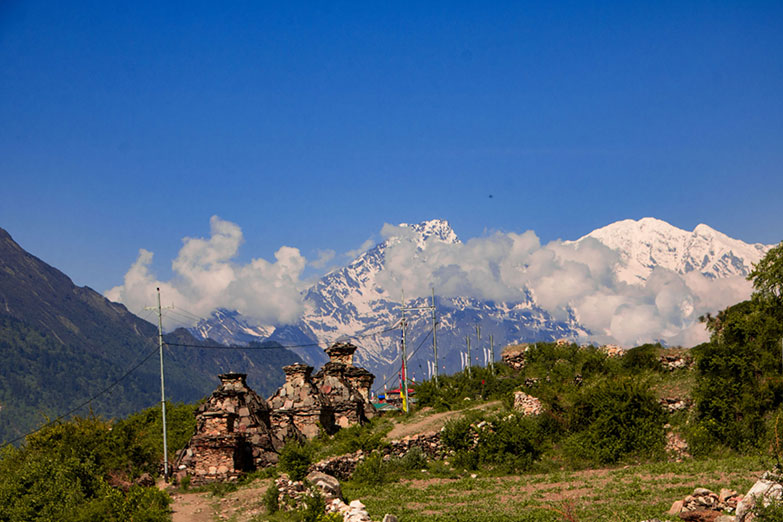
(298, 409)
(232, 436)
(340, 382)
(238, 431)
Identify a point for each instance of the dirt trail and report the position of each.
(424, 421)
(191, 507)
(240, 505)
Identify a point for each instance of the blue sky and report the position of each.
(128, 126)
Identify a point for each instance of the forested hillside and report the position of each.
(61, 345)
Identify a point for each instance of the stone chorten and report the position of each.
(232, 436)
(298, 409)
(346, 386)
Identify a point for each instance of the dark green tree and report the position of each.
(740, 370)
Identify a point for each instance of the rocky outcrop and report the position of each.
(291, 495)
(298, 410)
(232, 436)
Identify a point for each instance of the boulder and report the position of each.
(327, 484)
(767, 489)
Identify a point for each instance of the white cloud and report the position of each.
(566, 279)
(206, 278)
(563, 278)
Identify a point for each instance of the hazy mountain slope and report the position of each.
(61, 344)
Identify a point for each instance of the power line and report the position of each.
(411, 357)
(88, 401)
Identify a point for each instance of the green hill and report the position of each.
(61, 344)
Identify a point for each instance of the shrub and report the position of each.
(59, 475)
(644, 357)
(271, 498)
(513, 442)
(414, 459)
(457, 434)
(372, 471)
(314, 507)
(615, 419)
(510, 442)
(295, 459)
(358, 437)
(772, 512)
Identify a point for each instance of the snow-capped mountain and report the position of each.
(351, 301)
(358, 300)
(649, 243)
(230, 327)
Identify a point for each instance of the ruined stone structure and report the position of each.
(232, 436)
(345, 386)
(298, 410)
(238, 431)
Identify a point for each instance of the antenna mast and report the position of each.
(162, 386)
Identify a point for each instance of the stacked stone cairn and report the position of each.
(298, 410)
(340, 382)
(232, 436)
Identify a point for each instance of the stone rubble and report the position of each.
(676, 362)
(675, 404)
(291, 497)
(676, 446)
(612, 350)
(514, 356)
(527, 404)
(704, 505)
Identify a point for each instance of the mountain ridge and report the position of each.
(62, 344)
(351, 301)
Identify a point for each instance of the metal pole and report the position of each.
(162, 392)
(406, 406)
(492, 351)
(434, 337)
(467, 340)
(478, 336)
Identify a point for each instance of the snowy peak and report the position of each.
(435, 228)
(649, 243)
(229, 327)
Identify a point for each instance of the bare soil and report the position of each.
(424, 421)
(240, 506)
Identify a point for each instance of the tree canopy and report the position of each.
(767, 274)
